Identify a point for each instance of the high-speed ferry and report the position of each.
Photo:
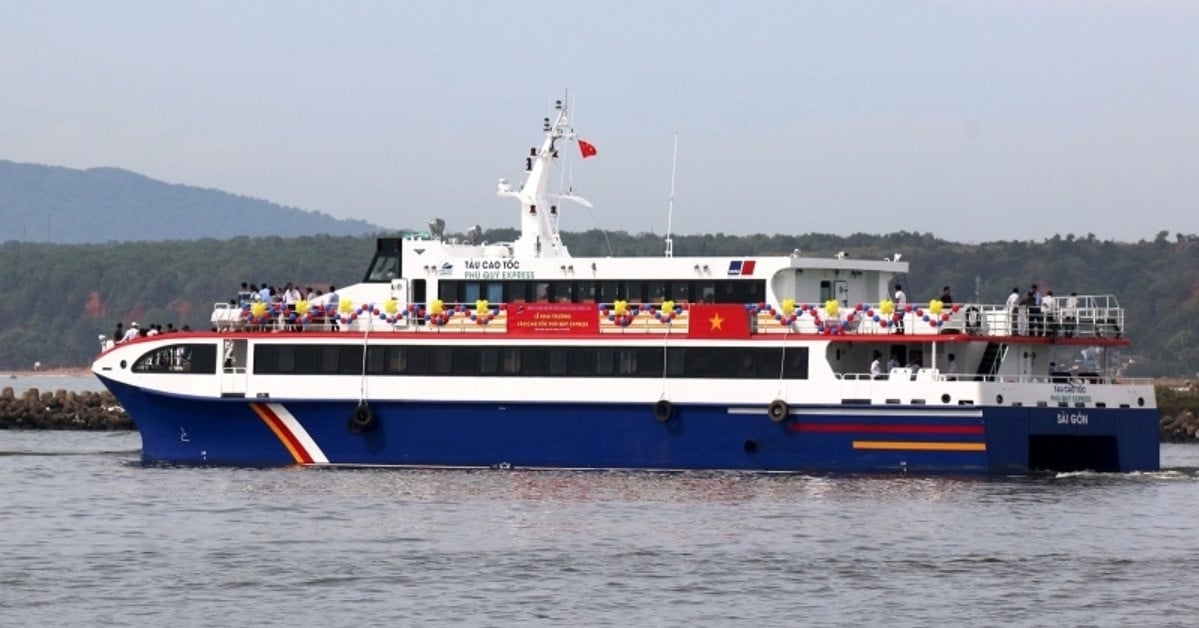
(453, 352)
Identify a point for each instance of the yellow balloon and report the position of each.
(935, 306)
(887, 306)
(302, 307)
(668, 306)
(830, 307)
(788, 306)
(482, 306)
(390, 306)
(258, 308)
(437, 306)
(345, 306)
(620, 307)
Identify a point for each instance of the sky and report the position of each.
(976, 121)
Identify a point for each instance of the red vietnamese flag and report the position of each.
(726, 320)
(587, 148)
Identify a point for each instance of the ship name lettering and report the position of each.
(1072, 418)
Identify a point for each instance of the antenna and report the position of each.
(674, 163)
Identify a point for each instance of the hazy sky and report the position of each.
(975, 120)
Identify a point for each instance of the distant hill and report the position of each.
(68, 206)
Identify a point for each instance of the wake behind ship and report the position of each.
(516, 354)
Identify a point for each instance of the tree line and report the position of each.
(57, 298)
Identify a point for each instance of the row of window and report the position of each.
(572, 291)
(685, 362)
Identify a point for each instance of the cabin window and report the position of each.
(680, 291)
(489, 361)
(384, 268)
(418, 361)
(655, 291)
(557, 361)
(465, 361)
(181, 358)
(516, 292)
(510, 361)
(586, 292)
(609, 291)
(494, 292)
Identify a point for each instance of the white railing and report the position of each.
(1095, 316)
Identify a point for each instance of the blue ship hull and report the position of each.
(843, 439)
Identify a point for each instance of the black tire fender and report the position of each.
(362, 419)
(778, 410)
(663, 410)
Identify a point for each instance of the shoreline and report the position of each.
(78, 371)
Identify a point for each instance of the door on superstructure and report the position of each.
(399, 292)
(841, 292)
(234, 352)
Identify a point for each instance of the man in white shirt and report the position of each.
(901, 303)
(1013, 308)
(951, 368)
(1070, 315)
(1049, 310)
(133, 333)
(876, 367)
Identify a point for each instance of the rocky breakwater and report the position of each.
(1178, 402)
(61, 410)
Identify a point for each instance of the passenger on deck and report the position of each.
(118, 335)
(946, 298)
(1070, 315)
(331, 306)
(132, 333)
(1049, 311)
(243, 295)
(1036, 321)
(1027, 304)
(901, 302)
(1013, 308)
(876, 367)
(951, 367)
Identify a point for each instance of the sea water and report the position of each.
(89, 536)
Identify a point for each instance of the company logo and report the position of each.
(742, 268)
(447, 269)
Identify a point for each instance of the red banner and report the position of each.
(718, 321)
(553, 318)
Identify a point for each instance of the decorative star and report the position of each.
(716, 322)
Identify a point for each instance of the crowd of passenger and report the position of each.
(1039, 313)
(135, 331)
(288, 296)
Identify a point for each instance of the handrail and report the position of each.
(1093, 316)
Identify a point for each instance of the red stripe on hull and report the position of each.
(282, 430)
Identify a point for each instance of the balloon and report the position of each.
(390, 306)
(437, 306)
(831, 307)
(258, 309)
(345, 305)
(788, 306)
(620, 307)
(303, 306)
(887, 306)
(935, 306)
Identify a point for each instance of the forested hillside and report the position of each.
(57, 298)
(53, 204)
